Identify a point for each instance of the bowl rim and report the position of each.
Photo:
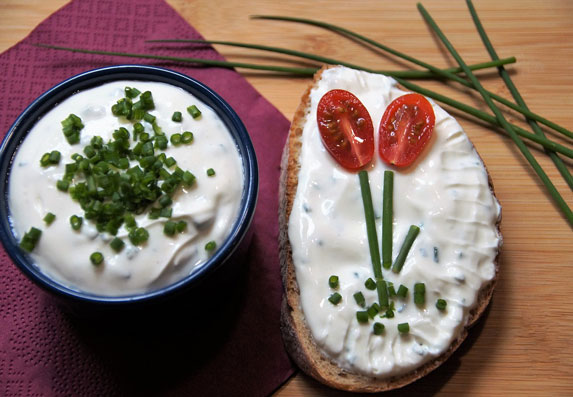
(91, 78)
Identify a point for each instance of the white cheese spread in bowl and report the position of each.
(216, 208)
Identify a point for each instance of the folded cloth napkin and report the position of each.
(45, 351)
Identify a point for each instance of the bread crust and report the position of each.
(297, 336)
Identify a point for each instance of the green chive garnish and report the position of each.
(54, 157)
(387, 217)
(359, 298)
(63, 185)
(362, 316)
(370, 284)
(333, 281)
(187, 137)
(149, 118)
(378, 328)
(175, 139)
(402, 291)
(370, 224)
(138, 236)
(404, 328)
(49, 218)
(72, 127)
(419, 294)
(210, 172)
(96, 258)
(170, 162)
(501, 118)
(76, 222)
(389, 313)
(441, 304)
(45, 160)
(181, 226)
(117, 244)
(382, 293)
(131, 92)
(408, 241)
(170, 228)
(176, 117)
(335, 298)
(193, 111)
(391, 289)
(30, 239)
(210, 246)
(373, 310)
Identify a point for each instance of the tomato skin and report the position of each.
(346, 129)
(405, 129)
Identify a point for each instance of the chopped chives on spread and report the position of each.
(403, 328)
(72, 127)
(49, 218)
(138, 236)
(378, 328)
(210, 172)
(335, 298)
(387, 216)
(177, 117)
(117, 244)
(359, 298)
(391, 290)
(30, 239)
(408, 241)
(402, 291)
(441, 304)
(370, 284)
(333, 281)
(76, 222)
(96, 258)
(175, 139)
(373, 310)
(210, 246)
(419, 294)
(194, 111)
(169, 228)
(362, 316)
(187, 137)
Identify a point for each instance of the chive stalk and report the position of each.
(516, 95)
(406, 74)
(387, 216)
(562, 204)
(405, 249)
(433, 69)
(370, 224)
(382, 290)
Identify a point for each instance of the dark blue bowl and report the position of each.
(223, 257)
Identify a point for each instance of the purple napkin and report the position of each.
(43, 350)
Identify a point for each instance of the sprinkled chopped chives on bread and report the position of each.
(322, 233)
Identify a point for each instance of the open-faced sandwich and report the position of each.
(377, 299)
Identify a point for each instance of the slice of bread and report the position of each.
(297, 336)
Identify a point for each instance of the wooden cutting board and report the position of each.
(523, 345)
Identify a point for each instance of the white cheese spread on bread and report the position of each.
(446, 192)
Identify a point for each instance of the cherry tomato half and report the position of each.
(405, 129)
(346, 129)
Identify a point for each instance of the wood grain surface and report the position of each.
(523, 345)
